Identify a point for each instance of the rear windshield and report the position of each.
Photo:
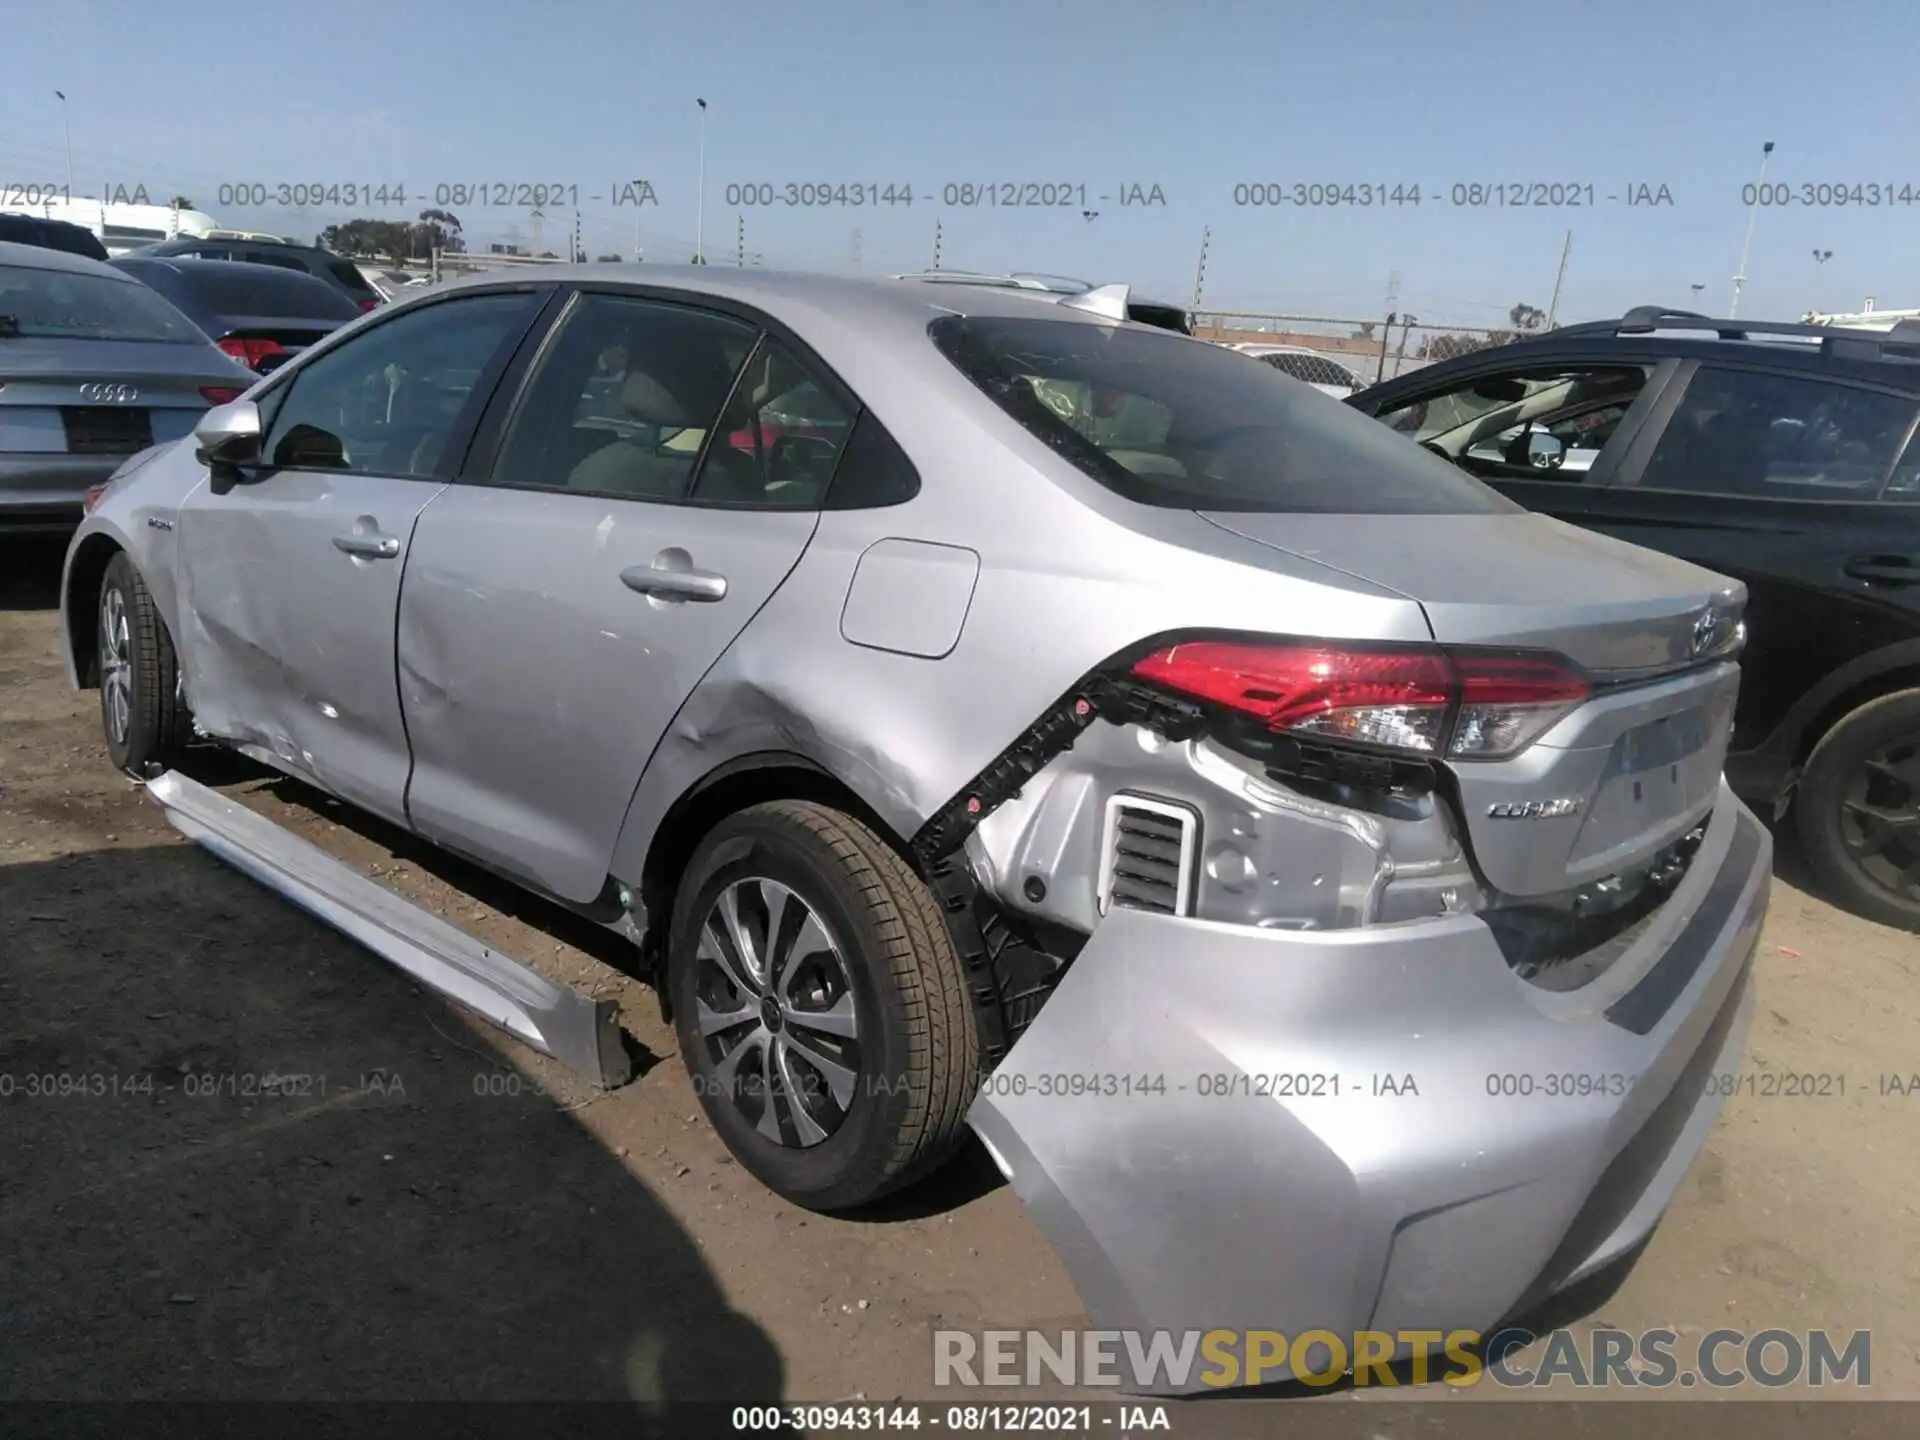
(1178, 423)
(292, 294)
(64, 305)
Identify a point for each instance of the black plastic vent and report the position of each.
(1147, 856)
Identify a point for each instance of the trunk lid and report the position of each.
(1614, 784)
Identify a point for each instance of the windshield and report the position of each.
(1171, 422)
(66, 305)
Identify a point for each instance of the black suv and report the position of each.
(342, 274)
(1782, 455)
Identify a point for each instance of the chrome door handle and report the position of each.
(368, 547)
(675, 584)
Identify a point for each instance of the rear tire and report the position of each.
(144, 718)
(1857, 810)
(856, 1079)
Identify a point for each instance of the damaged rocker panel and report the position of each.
(580, 1032)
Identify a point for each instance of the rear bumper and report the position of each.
(1377, 1128)
(43, 492)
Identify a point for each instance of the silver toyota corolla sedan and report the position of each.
(94, 367)
(1308, 873)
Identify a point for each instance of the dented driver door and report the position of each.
(290, 579)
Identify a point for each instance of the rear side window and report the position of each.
(1180, 424)
(779, 438)
(1779, 437)
(290, 295)
(275, 257)
(622, 398)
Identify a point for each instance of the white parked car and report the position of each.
(1327, 376)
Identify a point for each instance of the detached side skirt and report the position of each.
(579, 1032)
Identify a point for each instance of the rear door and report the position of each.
(1782, 480)
(290, 581)
(563, 602)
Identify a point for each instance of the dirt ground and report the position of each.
(420, 1208)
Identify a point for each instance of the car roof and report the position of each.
(1877, 357)
(40, 257)
(787, 294)
(247, 269)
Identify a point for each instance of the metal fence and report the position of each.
(1373, 350)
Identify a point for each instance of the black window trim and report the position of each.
(483, 451)
(1648, 439)
(472, 409)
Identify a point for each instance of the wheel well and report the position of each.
(752, 780)
(1886, 682)
(84, 575)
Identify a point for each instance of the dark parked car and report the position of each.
(342, 274)
(94, 368)
(1782, 455)
(261, 315)
(51, 235)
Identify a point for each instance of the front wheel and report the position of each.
(145, 720)
(820, 1007)
(1857, 808)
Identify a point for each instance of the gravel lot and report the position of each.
(426, 1210)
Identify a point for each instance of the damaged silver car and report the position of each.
(1307, 872)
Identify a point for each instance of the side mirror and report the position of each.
(804, 458)
(227, 438)
(1545, 452)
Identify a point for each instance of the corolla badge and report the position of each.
(102, 393)
(1706, 631)
(1533, 809)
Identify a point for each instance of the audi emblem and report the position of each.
(101, 393)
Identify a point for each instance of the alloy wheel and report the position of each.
(116, 665)
(775, 1007)
(1880, 817)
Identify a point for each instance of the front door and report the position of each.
(1544, 434)
(291, 579)
(651, 491)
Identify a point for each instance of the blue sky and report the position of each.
(1194, 98)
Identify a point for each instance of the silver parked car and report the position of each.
(94, 367)
(1308, 873)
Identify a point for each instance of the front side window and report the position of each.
(1779, 437)
(780, 439)
(388, 401)
(69, 305)
(622, 399)
(1173, 422)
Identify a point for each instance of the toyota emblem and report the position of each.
(101, 393)
(1706, 630)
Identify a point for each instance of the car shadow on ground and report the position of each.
(242, 1163)
(970, 1175)
(30, 571)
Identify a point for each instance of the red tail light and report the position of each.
(369, 303)
(91, 500)
(1460, 703)
(251, 352)
(220, 394)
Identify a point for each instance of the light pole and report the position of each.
(66, 125)
(1753, 213)
(700, 211)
